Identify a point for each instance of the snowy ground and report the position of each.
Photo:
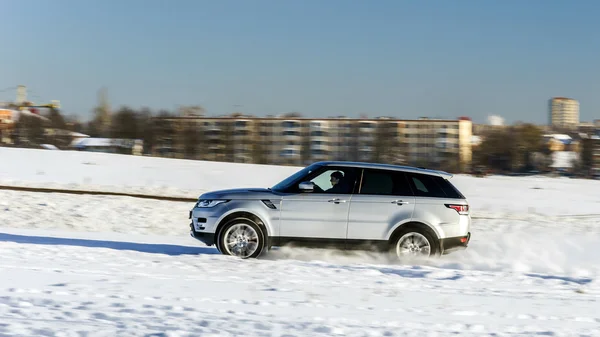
(125, 173)
(80, 265)
(502, 196)
(72, 284)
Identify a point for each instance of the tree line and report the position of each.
(171, 134)
(522, 148)
(126, 123)
(516, 148)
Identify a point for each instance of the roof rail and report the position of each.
(445, 174)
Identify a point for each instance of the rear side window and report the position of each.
(382, 182)
(425, 185)
(451, 191)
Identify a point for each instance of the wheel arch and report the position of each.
(416, 225)
(241, 214)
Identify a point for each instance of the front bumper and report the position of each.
(206, 219)
(448, 245)
(206, 238)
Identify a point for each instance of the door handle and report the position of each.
(399, 202)
(336, 200)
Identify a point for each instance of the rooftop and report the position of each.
(308, 119)
(386, 166)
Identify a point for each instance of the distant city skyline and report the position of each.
(319, 58)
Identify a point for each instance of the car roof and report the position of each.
(413, 169)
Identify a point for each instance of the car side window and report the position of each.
(325, 181)
(384, 182)
(334, 180)
(448, 188)
(425, 185)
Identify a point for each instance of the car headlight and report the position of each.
(209, 203)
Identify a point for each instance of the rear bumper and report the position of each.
(206, 238)
(448, 245)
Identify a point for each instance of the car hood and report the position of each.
(240, 193)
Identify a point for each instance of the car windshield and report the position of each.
(291, 179)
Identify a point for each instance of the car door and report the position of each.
(383, 200)
(320, 215)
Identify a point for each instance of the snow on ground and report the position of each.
(495, 196)
(93, 213)
(514, 197)
(127, 173)
(83, 265)
(93, 284)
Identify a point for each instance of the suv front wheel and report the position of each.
(242, 238)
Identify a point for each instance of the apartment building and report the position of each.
(595, 144)
(586, 127)
(294, 140)
(563, 113)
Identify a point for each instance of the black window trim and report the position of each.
(358, 183)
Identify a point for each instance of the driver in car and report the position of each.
(335, 179)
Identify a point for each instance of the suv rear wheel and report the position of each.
(413, 242)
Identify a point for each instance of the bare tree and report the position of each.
(192, 138)
(147, 130)
(100, 125)
(164, 130)
(29, 131)
(388, 147)
(125, 124)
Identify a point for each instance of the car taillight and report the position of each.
(460, 209)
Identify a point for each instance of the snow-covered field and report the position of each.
(82, 265)
(122, 173)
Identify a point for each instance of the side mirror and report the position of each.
(306, 186)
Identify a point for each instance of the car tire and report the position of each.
(413, 239)
(242, 238)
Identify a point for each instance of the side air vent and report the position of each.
(269, 204)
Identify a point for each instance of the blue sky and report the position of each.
(397, 58)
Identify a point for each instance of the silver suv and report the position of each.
(407, 211)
